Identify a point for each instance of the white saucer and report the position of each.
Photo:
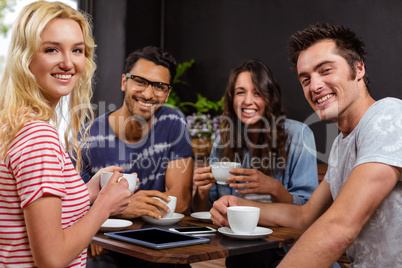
(203, 215)
(111, 225)
(259, 232)
(164, 221)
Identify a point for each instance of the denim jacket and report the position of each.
(300, 177)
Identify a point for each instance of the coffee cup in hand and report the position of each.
(131, 179)
(171, 204)
(243, 219)
(220, 171)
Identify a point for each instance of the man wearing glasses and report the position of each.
(145, 137)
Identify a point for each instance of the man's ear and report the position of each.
(360, 69)
(123, 82)
(167, 95)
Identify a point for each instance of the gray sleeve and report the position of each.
(380, 135)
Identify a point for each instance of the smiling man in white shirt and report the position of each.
(357, 208)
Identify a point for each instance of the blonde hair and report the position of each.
(21, 98)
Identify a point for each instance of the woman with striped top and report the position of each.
(45, 219)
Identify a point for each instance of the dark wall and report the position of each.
(144, 24)
(219, 34)
(109, 23)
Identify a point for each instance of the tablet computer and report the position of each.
(156, 238)
(195, 230)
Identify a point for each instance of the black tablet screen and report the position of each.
(157, 236)
(192, 229)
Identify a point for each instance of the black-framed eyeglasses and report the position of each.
(140, 84)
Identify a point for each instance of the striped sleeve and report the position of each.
(36, 161)
(36, 164)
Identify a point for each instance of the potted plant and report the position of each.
(204, 128)
(203, 123)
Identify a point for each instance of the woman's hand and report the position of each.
(94, 185)
(203, 179)
(115, 195)
(252, 181)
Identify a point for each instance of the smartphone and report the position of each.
(195, 230)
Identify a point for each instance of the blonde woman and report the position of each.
(44, 205)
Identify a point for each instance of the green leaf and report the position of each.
(181, 69)
(202, 105)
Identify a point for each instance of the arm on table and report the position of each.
(143, 203)
(322, 244)
(178, 183)
(278, 214)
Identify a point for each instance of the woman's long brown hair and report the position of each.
(272, 140)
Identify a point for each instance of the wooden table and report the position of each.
(218, 247)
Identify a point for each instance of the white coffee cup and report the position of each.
(171, 204)
(131, 179)
(220, 171)
(243, 219)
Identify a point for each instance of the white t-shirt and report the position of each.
(377, 138)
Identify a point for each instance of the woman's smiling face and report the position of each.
(248, 103)
(60, 60)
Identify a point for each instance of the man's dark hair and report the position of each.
(156, 55)
(349, 46)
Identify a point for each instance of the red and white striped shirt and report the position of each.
(36, 164)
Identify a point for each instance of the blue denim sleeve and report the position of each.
(213, 192)
(301, 175)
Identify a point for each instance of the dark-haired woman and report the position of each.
(278, 155)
